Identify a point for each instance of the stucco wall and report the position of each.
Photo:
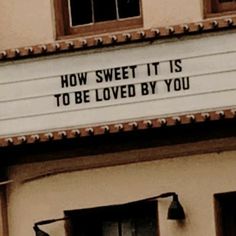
(31, 22)
(25, 23)
(194, 178)
(170, 12)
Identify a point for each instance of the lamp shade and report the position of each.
(175, 211)
(39, 232)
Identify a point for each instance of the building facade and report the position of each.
(112, 110)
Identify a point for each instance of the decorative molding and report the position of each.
(103, 40)
(121, 127)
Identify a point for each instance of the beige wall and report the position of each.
(25, 23)
(171, 12)
(31, 22)
(194, 178)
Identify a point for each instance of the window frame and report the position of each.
(221, 205)
(99, 216)
(64, 29)
(219, 9)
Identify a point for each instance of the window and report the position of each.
(214, 7)
(86, 17)
(133, 219)
(225, 209)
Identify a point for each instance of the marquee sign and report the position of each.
(114, 85)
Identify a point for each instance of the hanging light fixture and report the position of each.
(175, 210)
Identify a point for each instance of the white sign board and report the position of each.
(109, 86)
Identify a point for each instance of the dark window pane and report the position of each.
(104, 10)
(128, 227)
(146, 226)
(81, 12)
(226, 214)
(85, 223)
(128, 8)
(110, 228)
